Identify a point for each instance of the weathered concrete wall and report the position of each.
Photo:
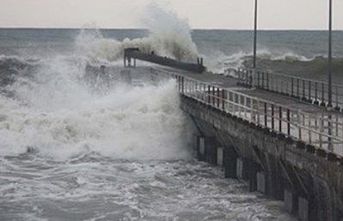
(309, 180)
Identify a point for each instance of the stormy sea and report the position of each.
(77, 147)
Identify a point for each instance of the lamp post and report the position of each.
(330, 57)
(255, 35)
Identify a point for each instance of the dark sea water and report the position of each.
(78, 149)
(291, 52)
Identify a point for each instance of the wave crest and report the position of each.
(168, 36)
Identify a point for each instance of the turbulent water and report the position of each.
(80, 144)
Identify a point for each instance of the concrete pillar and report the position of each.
(240, 168)
(339, 215)
(230, 162)
(220, 156)
(195, 142)
(207, 150)
(303, 209)
(253, 168)
(261, 182)
(246, 170)
(211, 150)
(201, 148)
(274, 179)
(291, 201)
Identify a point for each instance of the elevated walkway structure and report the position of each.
(131, 54)
(309, 90)
(283, 146)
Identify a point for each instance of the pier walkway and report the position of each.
(295, 118)
(275, 133)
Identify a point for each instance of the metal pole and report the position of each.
(330, 147)
(330, 56)
(255, 35)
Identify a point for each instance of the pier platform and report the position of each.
(283, 146)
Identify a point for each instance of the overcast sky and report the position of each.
(223, 14)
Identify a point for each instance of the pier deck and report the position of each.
(232, 83)
(284, 146)
(311, 124)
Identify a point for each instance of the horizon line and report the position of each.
(192, 29)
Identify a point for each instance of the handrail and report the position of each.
(313, 91)
(323, 130)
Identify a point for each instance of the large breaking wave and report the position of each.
(168, 36)
(59, 106)
(54, 112)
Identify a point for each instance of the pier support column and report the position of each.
(201, 148)
(207, 150)
(303, 209)
(291, 201)
(230, 162)
(196, 139)
(245, 169)
(253, 169)
(240, 168)
(220, 156)
(273, 178)
(261, 182)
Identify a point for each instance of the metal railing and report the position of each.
(323, 130)
(313, 91)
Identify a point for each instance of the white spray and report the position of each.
(168, 36)
(55, 113)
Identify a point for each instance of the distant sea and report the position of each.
(290, 52)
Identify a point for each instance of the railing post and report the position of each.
(265, 115)
(280, 119)
(246, 77)
(321, 129)
(299, 125)
(183, 84)
(213, 96)
(258, 112)
(309, 91)
(272, 107)
(330, 146)
(292, 85)
(298, 88)
(218, 98)
(223, 99)
(209, 95)
(316, 93)
(288, 123)
(304, 90)
(323, 95)
(337, 104)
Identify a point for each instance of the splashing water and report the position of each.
(168, 36)
(57, 114)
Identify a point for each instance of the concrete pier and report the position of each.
(277, 165)
(263, 138)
